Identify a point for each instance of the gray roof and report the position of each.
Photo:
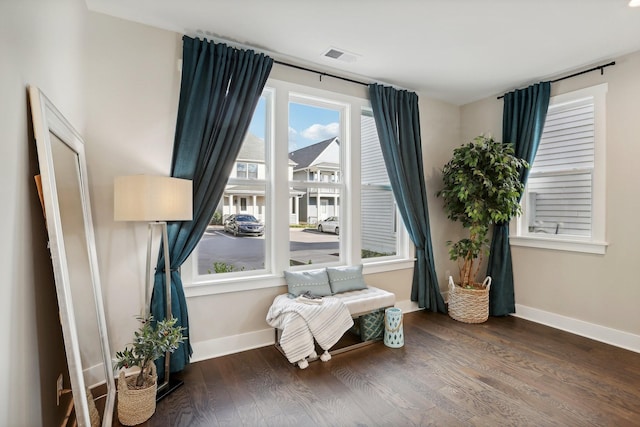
(305, 156)
(252, 148)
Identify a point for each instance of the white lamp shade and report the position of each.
(152, 198)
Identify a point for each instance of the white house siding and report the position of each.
(378, 204)
(378, 222)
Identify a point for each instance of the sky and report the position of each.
(307, 124)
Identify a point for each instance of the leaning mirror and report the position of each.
(67, 208)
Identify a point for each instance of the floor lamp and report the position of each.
(156, 200)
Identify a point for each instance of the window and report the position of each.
(296, 194)
(235, 244)
(563, 203)
(241, 170)
(247, 170)
(315, 150)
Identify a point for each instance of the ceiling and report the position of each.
(458, 51)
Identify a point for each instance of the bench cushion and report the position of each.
(366, 300)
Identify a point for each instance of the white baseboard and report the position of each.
(223, 346)
(407, 306)
(232, 344)
(593, 331)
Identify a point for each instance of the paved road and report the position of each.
(247, 252)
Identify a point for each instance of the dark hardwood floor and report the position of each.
(505, 372)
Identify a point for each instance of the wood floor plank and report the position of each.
(506, 371)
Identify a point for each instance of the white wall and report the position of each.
(440, 131)
(131, 88)
(40, 44)
(594, 295)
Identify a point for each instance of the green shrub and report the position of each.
(223, 267)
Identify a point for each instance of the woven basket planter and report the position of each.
(136, 406)
(469, 305)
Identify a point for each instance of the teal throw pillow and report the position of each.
(343, 279)
(315, 281)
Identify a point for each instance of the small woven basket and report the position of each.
(372, 326)
(136, 406)
(469, 305)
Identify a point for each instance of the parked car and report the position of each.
(329, 225)
(243, 224)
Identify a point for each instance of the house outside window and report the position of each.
(564, 199)
(321, 163)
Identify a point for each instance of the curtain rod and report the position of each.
(232, 43)
(579, 73)
(321, 73)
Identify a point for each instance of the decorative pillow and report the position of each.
(343, 279)
(315, 281)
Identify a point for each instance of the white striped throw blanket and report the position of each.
(301, 323)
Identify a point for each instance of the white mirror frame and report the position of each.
(50, 125)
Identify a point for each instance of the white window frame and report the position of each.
(278, 94)
(596, 243)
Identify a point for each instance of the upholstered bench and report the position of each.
(345, 297)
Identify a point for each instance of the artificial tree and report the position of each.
(151, 341)
(481, 187)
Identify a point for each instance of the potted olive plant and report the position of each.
(137, 394)
(481, 187)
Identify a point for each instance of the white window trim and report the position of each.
(197, 285)
(596, 244)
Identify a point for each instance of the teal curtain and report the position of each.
(524, 114)
(219, 91)
(398, 123)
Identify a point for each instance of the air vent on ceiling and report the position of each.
(340, 55)
(335, 54)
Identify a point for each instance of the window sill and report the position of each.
(232, 284)
(244, 283)
(582, 246)
(373, 267)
